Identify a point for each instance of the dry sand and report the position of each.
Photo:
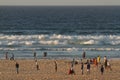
(28, 71)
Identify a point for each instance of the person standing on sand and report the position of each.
(95, 62)
(88, 68)
(98, 59)
(55, 65)
(105, 61)
(82, 67)
(17, 67)
(102, 69)
(37, 66)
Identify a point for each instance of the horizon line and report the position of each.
(60, 5)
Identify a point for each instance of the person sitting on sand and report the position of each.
(71, 71)
(12, 57)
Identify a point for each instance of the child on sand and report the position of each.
(102, 69)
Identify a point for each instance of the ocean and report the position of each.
(61, 31)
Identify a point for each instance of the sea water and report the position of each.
(61, 31)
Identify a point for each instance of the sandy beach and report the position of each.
(28, 71)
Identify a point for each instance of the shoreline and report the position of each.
(49, 58)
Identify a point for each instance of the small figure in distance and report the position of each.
(88, 68)
(82, 67)
(71, 71)
(55, 65)
(17, 67)
(109, 65)
(105, 62)
(98, 59)
(6, 55)
(102, 69)
(34, 56)
(84, 55)
(37, 66)
(12, 57)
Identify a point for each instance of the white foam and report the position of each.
(62, 40)
(41, 37)
(50, 42)
(28, 43)
(89, 42)
(55, 36)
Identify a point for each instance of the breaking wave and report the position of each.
(59, 42)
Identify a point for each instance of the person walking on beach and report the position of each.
(82, 67)
(6, 55)
(17, 67)
(102, 69)
(34, 56)
(83, 55)
(55, 65)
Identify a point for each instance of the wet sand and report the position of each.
(28, 71)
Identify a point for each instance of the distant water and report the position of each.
(63, 32)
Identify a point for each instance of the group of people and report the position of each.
(95, 61)
(88, 63)
(7, 57)
(71, 70)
